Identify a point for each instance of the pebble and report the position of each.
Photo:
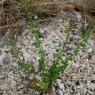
(5, 57)
(35, 17)
(61, 86)
(77, 83)
(31, 76)
(89, 50)
(78, 16)
(37, 77)
(93, 51)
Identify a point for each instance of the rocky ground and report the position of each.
(79, 77)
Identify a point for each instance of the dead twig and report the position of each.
(2, 1)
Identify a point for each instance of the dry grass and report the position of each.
(9, 15)
(89, 8)
(12, 11)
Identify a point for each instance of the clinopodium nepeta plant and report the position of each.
(50, 75)
(59, 65)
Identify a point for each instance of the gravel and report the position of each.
(79, 77)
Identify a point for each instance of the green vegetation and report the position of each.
(27, 8)
(42, 61)
(23, 65)
(59, 65)
(48, 76)
(51, 74)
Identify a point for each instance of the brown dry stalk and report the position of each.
(51, 7)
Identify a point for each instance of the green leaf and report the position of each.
(28, 9)
(76, 50)
(85, 34)
(42, 63)
(66, 30)
(36, 33)
(24, 66)
(72, 24)
(43, 86)
(37, 43)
